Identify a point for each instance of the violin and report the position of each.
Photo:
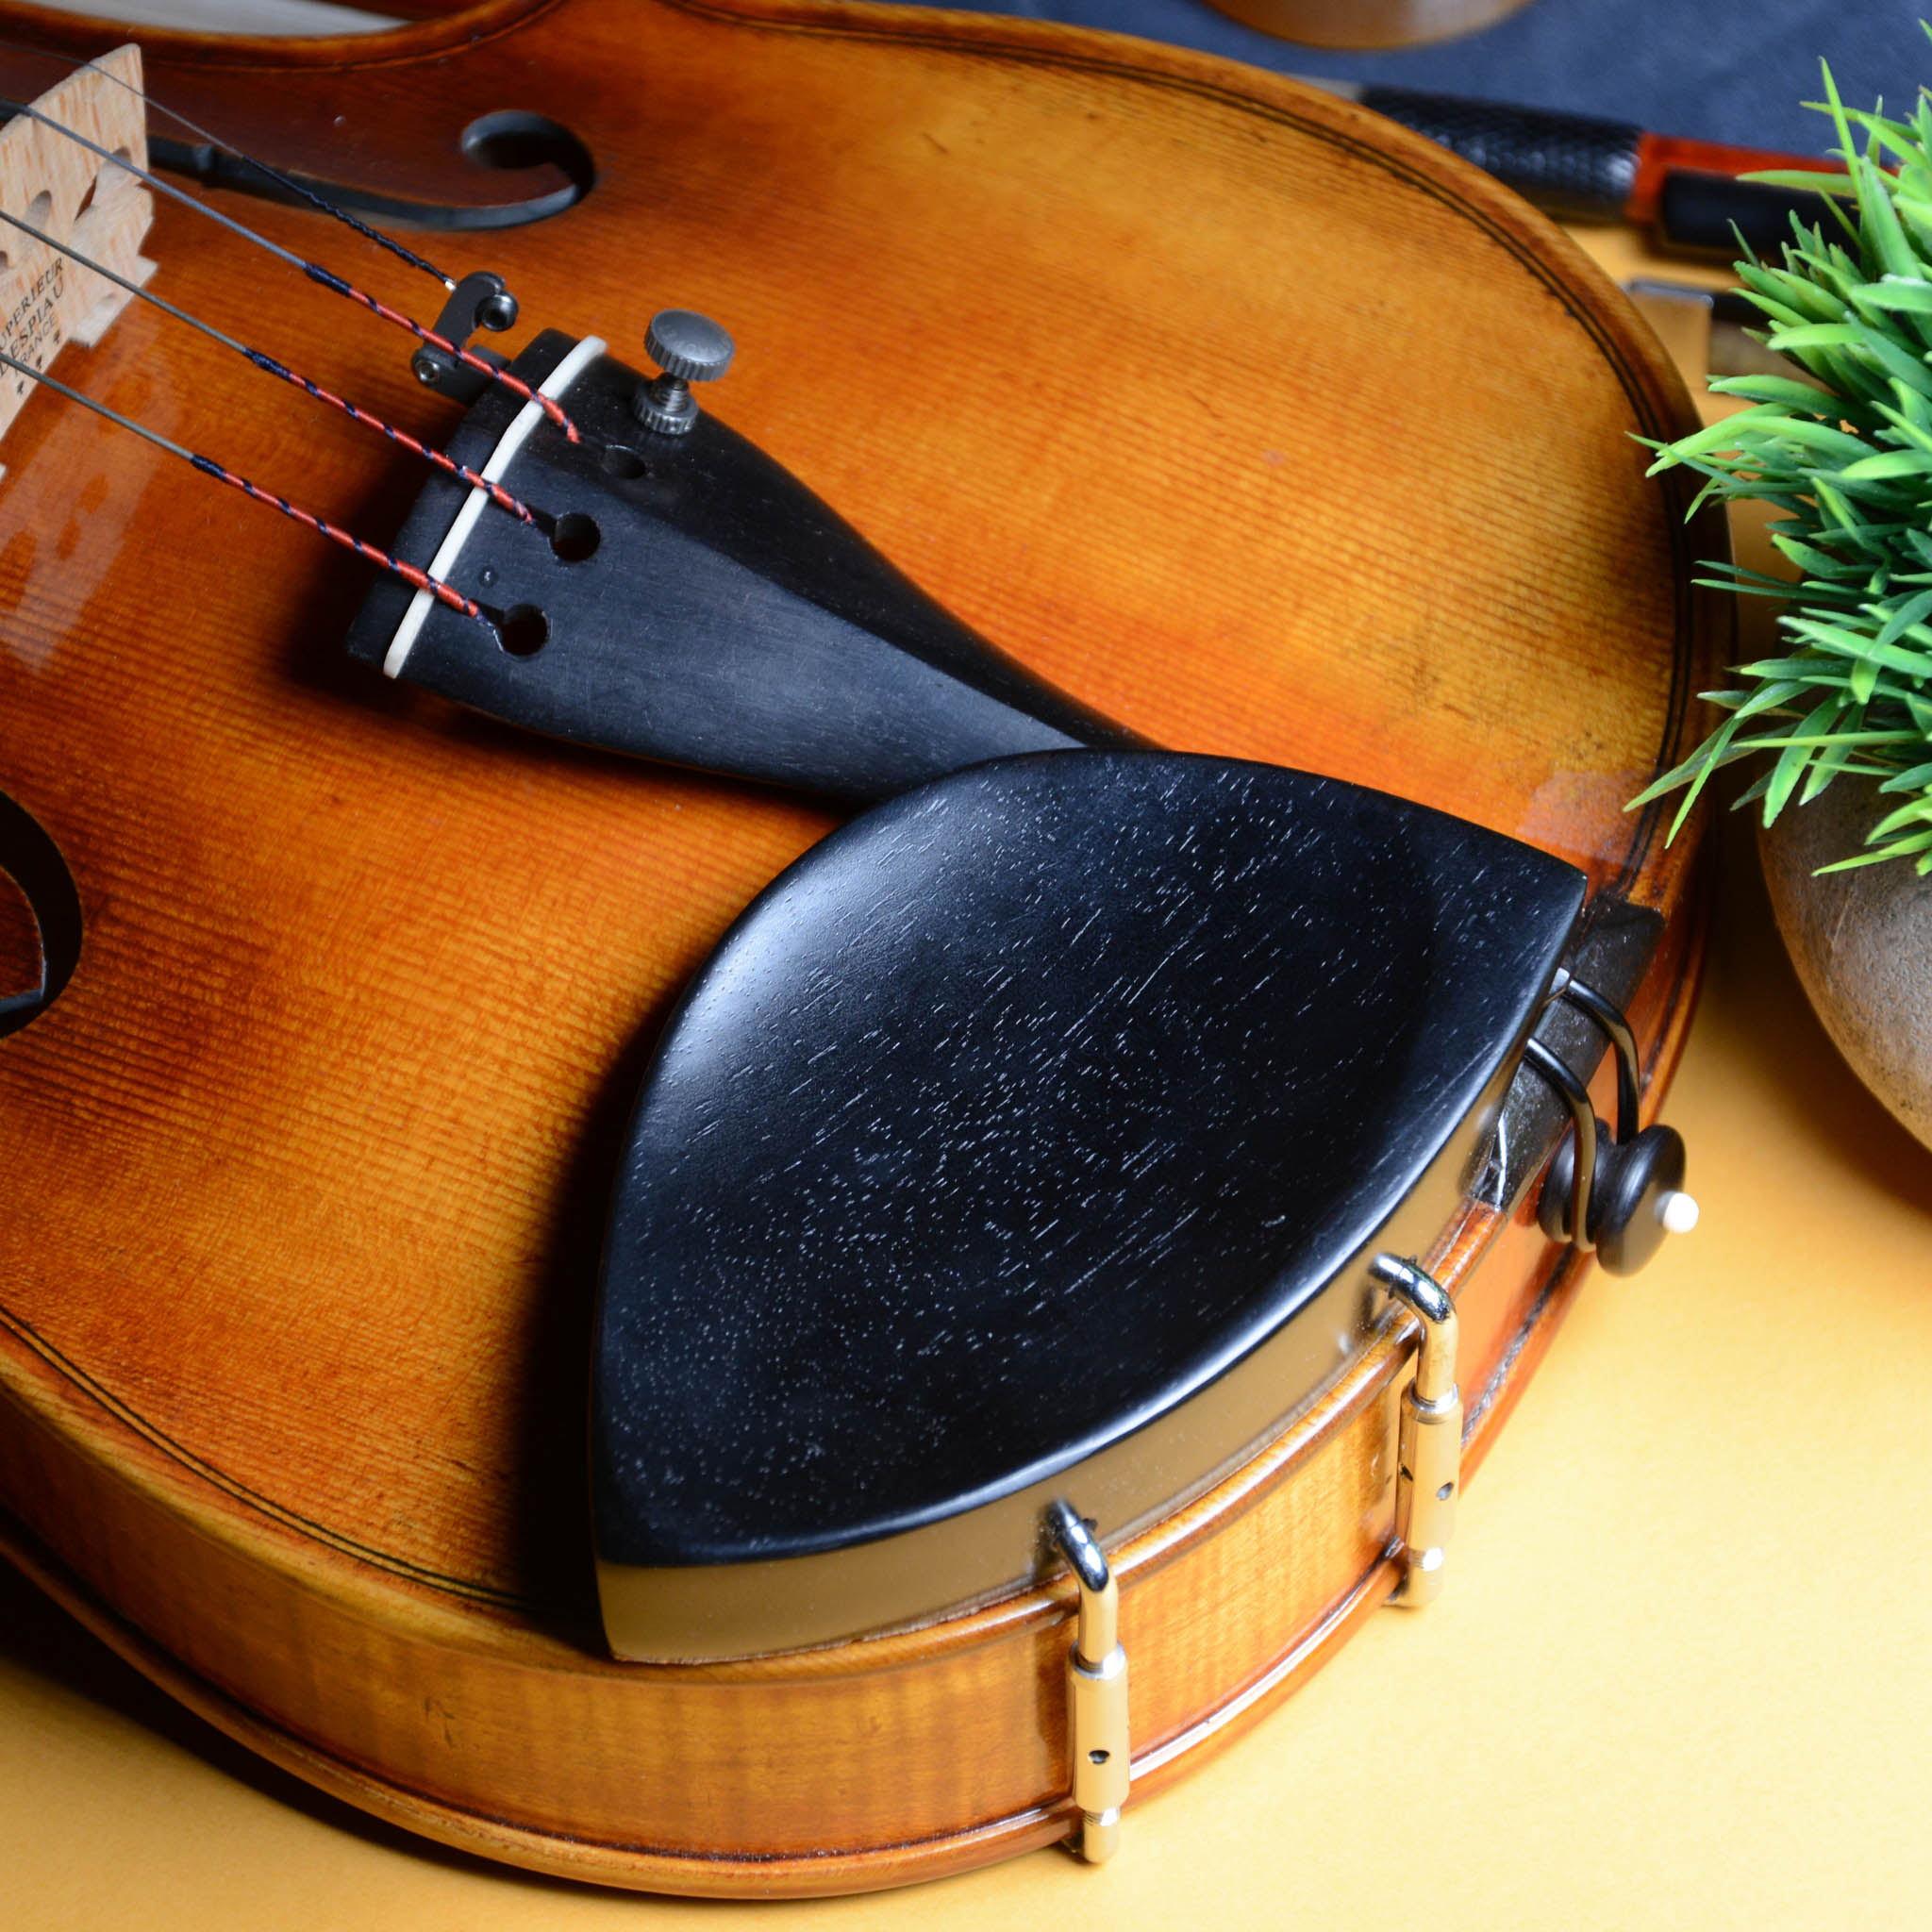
(1148, 400)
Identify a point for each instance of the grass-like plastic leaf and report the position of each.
(1693, 774)
(1809, 557)
(1903, 848)
(1907, 411)
(1818, 335)
(1785, 298)
(1913, 610)
(1807, 739)
(1726, 434)
(1911, 422)
(1818, 181)
(1898, 297)
(1885, 137)
(1918, 815)
(1779, 303)
(1777, 672)
(1845, 515)
(1778, 392)
(1826, 766)
(1879, 224)
(1738, 578)
(1851, 643)
(1916, 216)
(1826, 678)
(1745, 588)
(1885, 466)
(1797, 754)
(1901, 363)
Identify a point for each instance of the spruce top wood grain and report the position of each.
(1258, 424)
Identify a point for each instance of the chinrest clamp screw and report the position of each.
(1616, 1196)
(1429, 1443)
(1097, 1736)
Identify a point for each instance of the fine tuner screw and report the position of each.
(689, 348)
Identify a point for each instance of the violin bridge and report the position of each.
(57, 185)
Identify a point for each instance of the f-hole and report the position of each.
(40, 919)
(511, 143)
(513, 140)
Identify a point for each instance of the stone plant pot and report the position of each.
(1862, 942)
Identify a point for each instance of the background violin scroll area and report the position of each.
(40, 919)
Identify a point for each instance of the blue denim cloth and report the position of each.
(1724, 70)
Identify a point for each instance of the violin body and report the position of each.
(1251, 421)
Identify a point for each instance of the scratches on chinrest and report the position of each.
(1014, 1116)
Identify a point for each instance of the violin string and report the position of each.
(292, 184)
(314, 271)
(269, 366)
(373, 553)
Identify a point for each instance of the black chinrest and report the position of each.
(1005, 1123)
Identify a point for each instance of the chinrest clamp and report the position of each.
(1429, 1445)
(1616, 1196)
(1097, 1738)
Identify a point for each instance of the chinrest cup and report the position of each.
(1032, 1135)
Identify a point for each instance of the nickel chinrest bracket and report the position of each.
(1429, 1447)
(1097, 1738)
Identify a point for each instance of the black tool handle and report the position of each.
(1713, 213)
(1581, 169)
(1570, 165)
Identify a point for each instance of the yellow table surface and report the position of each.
(1681, 1674)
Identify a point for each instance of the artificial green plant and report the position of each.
(1850, 469)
